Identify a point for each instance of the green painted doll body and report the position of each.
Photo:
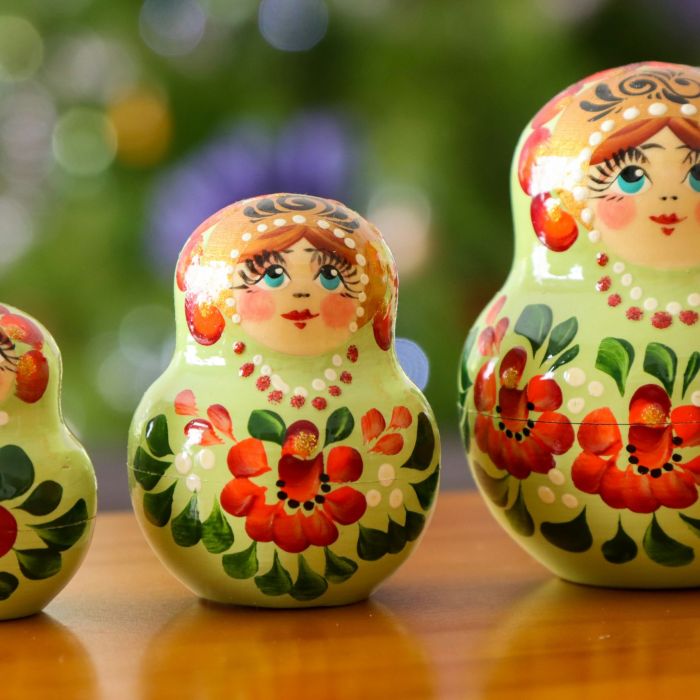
(284, 459)
(47, 484)
(579, 383)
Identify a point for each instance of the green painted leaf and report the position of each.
(663, 549)
(8, 585)
(519, 516)
(396, 537)
(243, 564)
(496, 489)
(338, 569)
(147, 470)
(661, 362)
(534, 324)
(424, 449)
(621, 548)
(464, 429)
(692, 523)
(571, 536)
(339, 426)
(186, 527)
(464, 380)
(426, 490)
(43, 499)
(217, 535)
(415, 522)
(276, 581)
(158, 507)
(615, 358)
(562, 334)
(157, 436)
(565, 357)
(38, 564)
(266, 425)
(66, 530)
(691, 370)
(16, 472)
(372, 544)
(309, 585)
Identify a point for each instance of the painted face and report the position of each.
(299, 301)
(646, 201)
(8, 366)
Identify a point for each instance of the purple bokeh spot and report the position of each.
(313, 154)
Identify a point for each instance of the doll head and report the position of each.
(300, 275)
(24, 370)
(612, 164)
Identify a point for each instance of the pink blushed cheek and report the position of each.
(256, 306)
(337, 311)
(617, 214)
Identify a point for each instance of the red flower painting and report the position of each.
(311, 498)
(526, 431)
(649, 469)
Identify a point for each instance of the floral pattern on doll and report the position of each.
(22, 362)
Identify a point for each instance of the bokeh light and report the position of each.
(16, 232)
(84, 141)
(172, 27)
(403, 215)
(21, 49)
(413, 361)
(142, 122)
(90, 67)
(293, 25)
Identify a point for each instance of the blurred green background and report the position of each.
(123, 124)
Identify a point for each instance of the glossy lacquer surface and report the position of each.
(579, 383)
(47, 484)
(284, 459)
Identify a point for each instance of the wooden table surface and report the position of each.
(470, 615)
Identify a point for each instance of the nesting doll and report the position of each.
(47, 484)
(284, 459)
(579, 382)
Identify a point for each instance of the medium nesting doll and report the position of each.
(284, 459)
(47, 484)
(579, 383)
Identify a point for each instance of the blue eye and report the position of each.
(329, 277)
(694, 177)
(632, 179)
(274, 276)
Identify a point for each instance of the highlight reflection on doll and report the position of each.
(644, 182)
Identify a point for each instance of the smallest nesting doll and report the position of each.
(47, 483)
(284, 459)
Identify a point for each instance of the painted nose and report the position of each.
(301, 295)
(666, 197)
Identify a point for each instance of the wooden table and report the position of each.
(469, 615)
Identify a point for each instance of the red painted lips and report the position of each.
(299, 318)
(665, 220)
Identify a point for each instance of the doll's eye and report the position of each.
(329, 277)
(632, 180)
(275, 277)
(694, 177)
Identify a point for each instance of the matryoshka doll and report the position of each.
(579, 382)
(284, 459)
(47, 484)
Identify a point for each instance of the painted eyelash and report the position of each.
(8, 359)
(347, 271)
(613, 165)
(692, 157)
(257, 266)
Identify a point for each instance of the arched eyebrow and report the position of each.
(645, 146)
(693, 153)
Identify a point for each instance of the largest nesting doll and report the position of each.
(284, 459)
(579, 382)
